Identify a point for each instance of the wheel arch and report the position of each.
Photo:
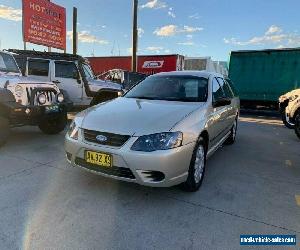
(204, 134)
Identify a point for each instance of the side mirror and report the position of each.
(221, 102)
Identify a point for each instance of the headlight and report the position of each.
(293, 98)
(19, 90)
(73, 131)
(60, 97)
(42, 98)
(161, 141)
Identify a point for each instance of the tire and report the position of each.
(4, 130)
(285, 121)
(196, 169)
(297, 125)
(231, 139)
(54, 125)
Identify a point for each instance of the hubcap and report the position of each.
(199, 164)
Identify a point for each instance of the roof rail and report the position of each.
(47, 55)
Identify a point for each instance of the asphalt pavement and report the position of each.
(251, 187)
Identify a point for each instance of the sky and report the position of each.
(193, 28)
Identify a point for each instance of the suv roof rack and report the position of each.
(47, 55)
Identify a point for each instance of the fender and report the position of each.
(67, 102)
(6, 99)
(6, 96)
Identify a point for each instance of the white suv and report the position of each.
(286, 107)
(24, 101)
(72, 73)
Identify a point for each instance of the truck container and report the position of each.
(149, 65)
(261, 76)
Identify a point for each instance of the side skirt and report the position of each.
(219, 144)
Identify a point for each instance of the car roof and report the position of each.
(202, 73)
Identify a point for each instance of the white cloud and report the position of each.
(167, 51)
(10, 13)
(273, 35)
(280, 46)
(191, 29)
(189, 36)
(189, 43)
(140, 32)
(155, 49)
(86, 37)
(273, 29)
(154, 4)
(194, 16)
(171, 12)
(171, 30)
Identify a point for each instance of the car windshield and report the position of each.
(171, 88)
(88, 71)
(8, 64)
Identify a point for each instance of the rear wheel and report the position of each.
(4, 130)
(231, 139)
(53, 125)
(286, 121)
(297, 125)
(197, 168)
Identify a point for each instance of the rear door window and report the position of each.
(217, 90)
(66, 70)
(38, 67)
(232, 87)
(227, 91)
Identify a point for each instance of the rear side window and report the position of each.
(227, 91)
(232, 87)
(38, 67)
(66, 70)
(217, 90)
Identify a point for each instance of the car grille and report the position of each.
(114, 171)
(32, 97)
(114, 140)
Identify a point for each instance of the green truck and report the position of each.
(261, 76)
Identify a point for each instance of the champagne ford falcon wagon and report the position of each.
(160, 133)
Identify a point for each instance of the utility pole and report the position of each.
(75, 31)
(134, 36)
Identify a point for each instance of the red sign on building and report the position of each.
(44, 23)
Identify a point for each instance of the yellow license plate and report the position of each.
(100, 159)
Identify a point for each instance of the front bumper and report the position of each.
(20, 115)
(163, 168)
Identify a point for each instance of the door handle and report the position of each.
(56, 82)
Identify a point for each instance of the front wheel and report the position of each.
(4, 130)
(286, 121)
(53, 125)
(197, 168)
(297, 125)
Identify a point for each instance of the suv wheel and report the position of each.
(286, 121)
(197, 168)
(53, 125)
(4, 130)
(297, 125)
(231, 139)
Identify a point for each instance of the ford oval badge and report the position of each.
(101, 138)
